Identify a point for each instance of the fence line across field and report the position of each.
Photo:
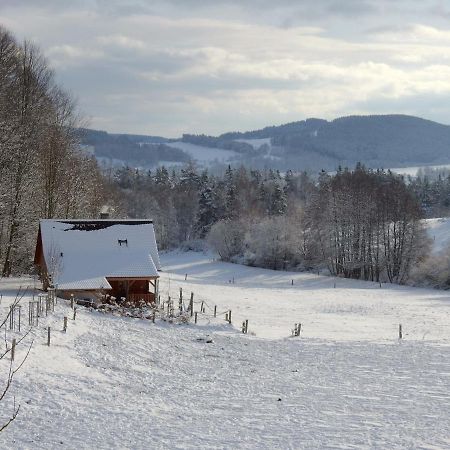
(45, 303)
(296, 331)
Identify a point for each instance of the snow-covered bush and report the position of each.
(278, 242)
(275, 242)
(269, 244)
(434, 271)
(227, 237)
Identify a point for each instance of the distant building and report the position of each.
(91, 258)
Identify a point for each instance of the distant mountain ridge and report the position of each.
(312, 144)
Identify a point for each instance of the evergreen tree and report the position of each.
(279, 203)
(207, 211)
(162, 177)
(231, 201)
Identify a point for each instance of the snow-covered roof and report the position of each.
(81, 254)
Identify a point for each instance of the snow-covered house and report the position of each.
(95, 257)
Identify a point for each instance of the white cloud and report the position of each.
(64, 56)
(119, 40)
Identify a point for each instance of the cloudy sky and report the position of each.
(210, 66)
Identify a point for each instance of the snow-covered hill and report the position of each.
(312, 144)
(347, 382)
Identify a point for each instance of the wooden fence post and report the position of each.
(195, 316)
(156, 290)
(33, 316)
(74, 313)
(229, 316)
(65, 324)
(153, 316)
(48, 336)
(191, 304)
(13, 349)
(215, 310)
(400, 332)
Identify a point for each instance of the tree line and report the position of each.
(42, 171)
(359, 223)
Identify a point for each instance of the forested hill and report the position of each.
(376, 141)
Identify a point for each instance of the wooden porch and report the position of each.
(134, 289)
(136, 298)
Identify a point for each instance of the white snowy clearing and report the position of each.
(204, 155)
(439, 232)
(347, 382)
(256, 143)
(413, 170)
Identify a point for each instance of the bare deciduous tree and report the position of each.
(44, 174)
(368, 225)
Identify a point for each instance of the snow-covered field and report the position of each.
(439, 232)
(347, 382)
(351, 311)
(412, 171)
(256, 143)
(204, 155)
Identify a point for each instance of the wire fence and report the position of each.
(179, 309)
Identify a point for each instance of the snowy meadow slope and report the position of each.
(439, 232)
(348, 382)
(328, 308)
